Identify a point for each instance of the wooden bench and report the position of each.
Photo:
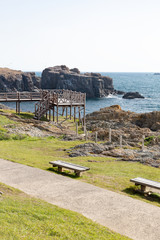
(145, 183)
(77, 168)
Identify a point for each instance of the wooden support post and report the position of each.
(84, 128)
(79, 115)
(66, 112)
(70, 112)
(77, 173)
(76, 129)
(95, 137)
(16, 107)
(49, 114)
(59, 169)
(46, 115)
(63, 111)
(110, 135)
(84, 115)
(57, 113)
(74, 114)
(143, 188)
(35, 109)
(84, 112)
(53, 113)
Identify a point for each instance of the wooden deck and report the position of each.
(50, 100)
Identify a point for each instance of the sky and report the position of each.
(92, 35)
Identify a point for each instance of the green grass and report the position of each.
(148, 140)
(104, 172)
(23, 217)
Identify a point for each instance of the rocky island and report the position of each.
(61, 77)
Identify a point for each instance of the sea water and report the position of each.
(147, 84)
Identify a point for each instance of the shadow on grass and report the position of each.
(153, 197)
(65, 173)
(25, 115)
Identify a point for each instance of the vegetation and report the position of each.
(104, 172)
(23, 217)
(148, 140)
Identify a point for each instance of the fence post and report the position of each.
(95, 137)
(76, 129)
(120, 141)
(143, 137)
(110, 135)
(86, 135)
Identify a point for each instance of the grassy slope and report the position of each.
(23, 217)
(104, 172)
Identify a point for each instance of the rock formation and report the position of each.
(13, 80)
(61, 77)
(129, 124)
(132, 95)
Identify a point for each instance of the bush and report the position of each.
(4, 136)
(148, 140)
(19, 136)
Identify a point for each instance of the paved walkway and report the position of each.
(133, 218)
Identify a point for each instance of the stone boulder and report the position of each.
(132, 95)
(13, 80)
(61, 77)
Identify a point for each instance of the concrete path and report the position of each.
(133, 218)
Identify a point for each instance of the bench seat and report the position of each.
(77, 168)
(145, 183)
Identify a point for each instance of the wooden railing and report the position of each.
(61, 96)
(21, 96)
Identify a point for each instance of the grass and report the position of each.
(23, 217)
(104, 172)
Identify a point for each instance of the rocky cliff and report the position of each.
(13, 80)
(61, 77)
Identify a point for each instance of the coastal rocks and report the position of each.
(61, 77)
(87, 149)
(131, 126)
(149, 156)
(132, 95)
(13, 80)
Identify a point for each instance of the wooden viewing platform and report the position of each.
(50, 100)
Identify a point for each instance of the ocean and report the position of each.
(147, 84)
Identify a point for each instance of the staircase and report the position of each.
(43, 106)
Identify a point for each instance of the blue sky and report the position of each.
(93, 35)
